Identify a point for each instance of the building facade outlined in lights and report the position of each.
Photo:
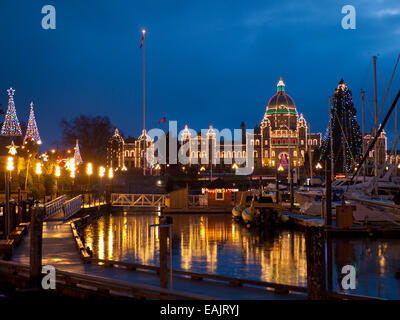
(282, 135)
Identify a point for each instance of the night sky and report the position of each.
(206, 60)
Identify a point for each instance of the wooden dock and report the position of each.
(196, 210)
(357, 230)
(60, 250)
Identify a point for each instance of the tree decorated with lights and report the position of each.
(11, 126)
(32, 132)
(346, 135)
(77, 154)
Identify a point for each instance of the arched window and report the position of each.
(257, 142)
(255, 154)
(294, 153)
(266, 153)
(315, 142)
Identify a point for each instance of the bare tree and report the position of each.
(92, 132)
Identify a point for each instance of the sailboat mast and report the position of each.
(331, 139)
(375, 119)
(362, 128)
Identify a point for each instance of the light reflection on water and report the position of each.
(215, 244)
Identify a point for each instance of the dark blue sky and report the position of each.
(206, 60)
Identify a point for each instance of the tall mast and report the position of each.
(309, 153)
(331, 139)
(375, 119)
(362, 127)
(144, 106)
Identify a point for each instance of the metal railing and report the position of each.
(72, 206)
(54, 206)
(138, 200)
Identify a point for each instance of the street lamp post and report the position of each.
(110, 176)
(38, 171)
(57, 174)
(7, 214)
(89, 172)
(280, 169)
(290, 180)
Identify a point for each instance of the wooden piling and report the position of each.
(36, 247)
(163, 234)
(328, 192)
(291, 189)
(277, 187)
(315, 252)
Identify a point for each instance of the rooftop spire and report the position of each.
(281, 85)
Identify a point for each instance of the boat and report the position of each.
(237, 210)
(249, 213)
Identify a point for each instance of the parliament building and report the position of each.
(282, 136)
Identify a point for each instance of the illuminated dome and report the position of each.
(281, 103)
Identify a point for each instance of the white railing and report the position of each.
(72, 206)
(54, 206)
(138, 200)
(197, 201)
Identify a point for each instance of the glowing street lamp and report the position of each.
(57, 174)
(10, 164)
(38, 169)
(102, 170)
(89, 169)
(110, 173)
(235, 166)
(318, 166)
(280, 168)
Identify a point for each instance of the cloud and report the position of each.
(388, 12)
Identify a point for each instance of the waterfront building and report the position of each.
(282, 136)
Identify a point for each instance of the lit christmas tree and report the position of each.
(346, 133)
(77, 154)
(11, 126)
(32, 132)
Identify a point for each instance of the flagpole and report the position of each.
(144, 106)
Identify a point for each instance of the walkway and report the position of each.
(60, 250)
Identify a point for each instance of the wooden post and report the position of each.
(277, 187)
(7, 213)
(328, 192)
(36, 247)
(163, 232)
(315, 252)
(291, 189)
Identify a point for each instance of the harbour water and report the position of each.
(215, 244)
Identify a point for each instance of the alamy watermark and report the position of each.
(49, 20)
(49, 280)
(349, 279)
(211, 146)
(349, 20)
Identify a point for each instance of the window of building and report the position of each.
(266, 153)
(266, 142)
(294, 153)
(257, 142)
(255, 154)
(315, 142)
(302, 142)
(219, 195)
(273, 153)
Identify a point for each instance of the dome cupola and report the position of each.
(281, 103)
